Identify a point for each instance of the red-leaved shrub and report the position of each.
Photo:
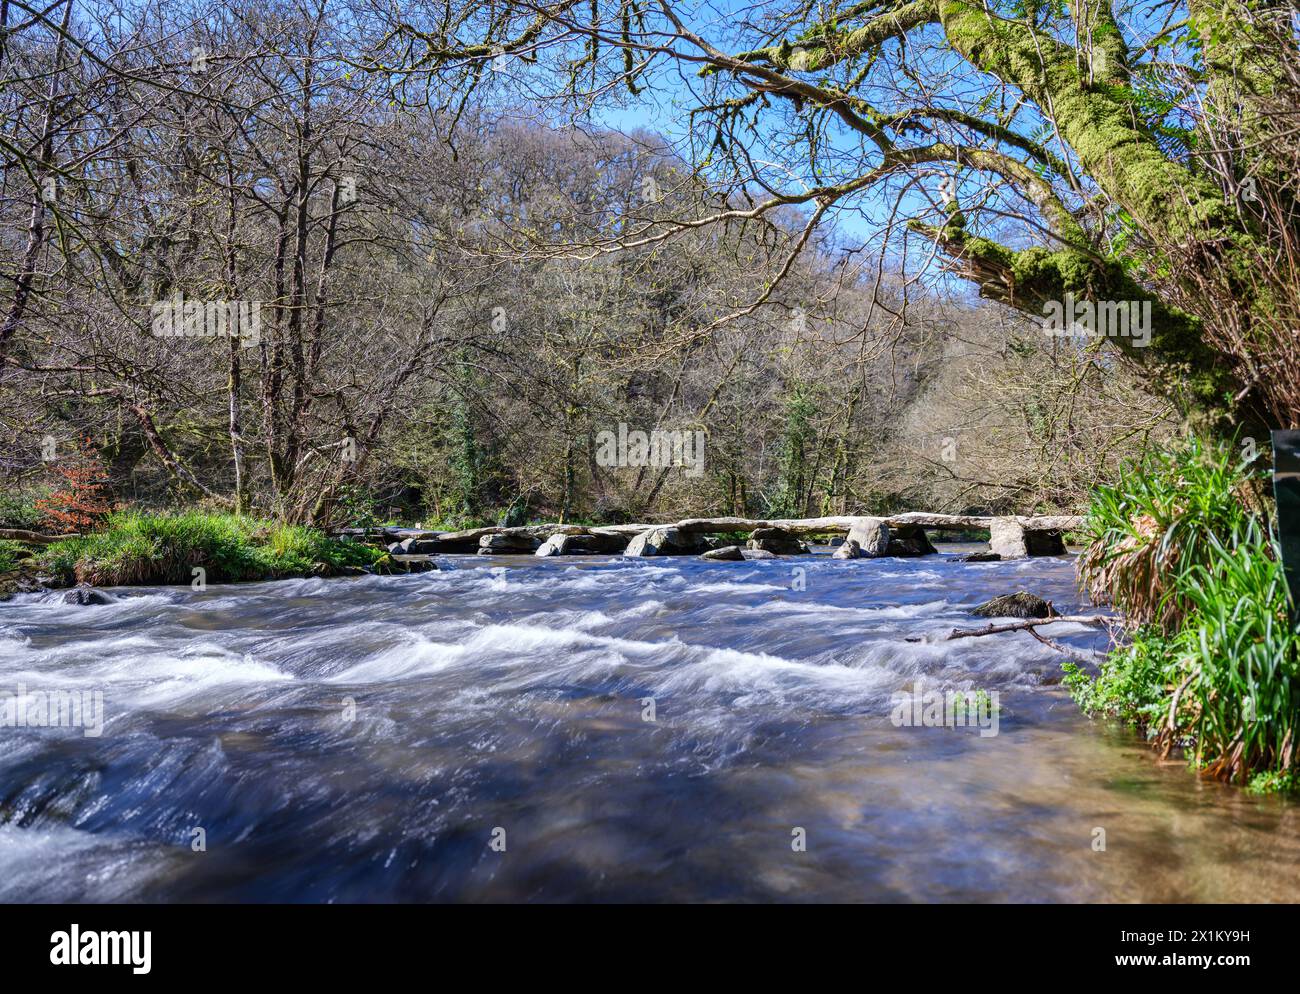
(80, 500)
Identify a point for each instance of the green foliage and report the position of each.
(18, 507)
(137, 548)
(799, 437)
(1214, 663)
(1245, 707)
(470, 458)
(1133, 683)
(356, 507)
(1157, 522)
(10, 554)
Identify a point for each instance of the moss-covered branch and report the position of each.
(824, 46)
(1180, 363)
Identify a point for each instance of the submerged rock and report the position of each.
(777, 541)
(1021, 604)
(406, 564)
(728, 553)
(980, 557)
(87, 597)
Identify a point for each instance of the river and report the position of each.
(522, 729)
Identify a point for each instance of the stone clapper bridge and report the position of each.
(1010, 537)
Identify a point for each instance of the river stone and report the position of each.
(86, 597)
(554, 546)
(507, 543)
(848, 549)
(406, 564)
(728, 553)
(979, 557)
(757, 554)
(667, 541)
(594, 544)
(872, 537)
(778, 541)
(416, 547)
(909, 540)
(1021, 604)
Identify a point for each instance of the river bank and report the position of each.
(189, 548)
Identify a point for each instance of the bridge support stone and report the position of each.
(869, 537)
(1012, 540)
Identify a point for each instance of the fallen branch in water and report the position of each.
(1029, 625)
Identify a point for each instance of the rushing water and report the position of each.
(368, 740)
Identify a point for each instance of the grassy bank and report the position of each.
(1182, 545)
(142, 548)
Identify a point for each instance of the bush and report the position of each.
(18, 508)
(1181, 545)
(80, 501)
(138, 548)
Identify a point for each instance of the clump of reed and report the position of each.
(1181, 544)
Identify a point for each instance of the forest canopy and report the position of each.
(338, 261)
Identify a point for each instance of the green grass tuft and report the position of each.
(139, 548)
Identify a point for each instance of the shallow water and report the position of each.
(368, 740)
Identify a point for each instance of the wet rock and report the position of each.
(777, 541)
(87, 597)
(667, 542)
(411, 564)
(980, 557)
(848, 549)
(728, 553)
(507, 543)
(872, 537)
(415, 547)
(554, 546)
(757, 554)
(1021, 604)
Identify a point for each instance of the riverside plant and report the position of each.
(141, 548)
(1181, 544)
(10, 555)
